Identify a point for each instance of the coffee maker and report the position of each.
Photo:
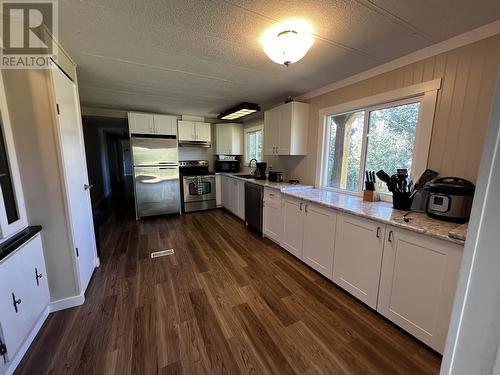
(260, 172)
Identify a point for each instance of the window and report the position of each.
(373, 138)
(253, 143)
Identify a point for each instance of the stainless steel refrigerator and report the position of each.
(156, 175)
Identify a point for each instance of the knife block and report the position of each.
(370, 196)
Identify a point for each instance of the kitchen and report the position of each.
(267, 220)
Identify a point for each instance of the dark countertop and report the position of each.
(14, 243)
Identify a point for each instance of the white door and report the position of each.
(187, 131)
(165, 125)
(418, 283)
(271, 131)
(273, 218)
(241, 199)
(203, 131)
(140, 123)
(285, 131)
(224, 139)
(359, 245)
(293, 226)
(75, 173)
(319, 238)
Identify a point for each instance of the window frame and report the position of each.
(245, 140)
(425, 93)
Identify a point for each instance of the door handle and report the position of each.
(15, 302)
(38, 276)
(390, 236)
(301, 206)
(305, 208)
(378, 232)
(87, 186)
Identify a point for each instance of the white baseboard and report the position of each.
(12, 365)
(67, 303)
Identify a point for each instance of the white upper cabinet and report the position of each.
(229, 139)
(141, 123)
(286, 129)
(417, 285)
(194, 131)
(203, 132)
(165, 125)
(359, 245)
(149, 123)
(319, 238)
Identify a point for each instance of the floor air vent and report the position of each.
(162, 253)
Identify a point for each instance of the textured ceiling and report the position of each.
(201, 57)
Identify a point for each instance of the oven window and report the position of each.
(9, 198)
(206, 188)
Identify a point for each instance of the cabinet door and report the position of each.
(218, 190)
(241, 199)
(187, 131)
(358, 256)
(271, 131)
(293, 226)
(273, 219)
(285, 129)
(203, 133)
(13, 323)
(37, 297)
(165, 125)
(319, 238)
(224, 139)
(141, 123)
(417, 285)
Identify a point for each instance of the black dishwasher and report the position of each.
(254, 197)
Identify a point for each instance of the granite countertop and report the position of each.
(17, 241)
(382, 212)
(459, 233)
(282, 186)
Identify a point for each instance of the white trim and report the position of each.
(427, 94)
(245, 133)
(7, 230)
(12, 365)
(67, 303)
(472, 36)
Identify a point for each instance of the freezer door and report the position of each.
(157, 191)
(154, 150)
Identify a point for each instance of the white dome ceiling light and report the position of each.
(288, 42)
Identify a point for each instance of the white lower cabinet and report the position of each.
(233, 195)
(24, 295)
(293, 226)
(319, 238)
(358, 256)
(272, 227)
(218, 190)
(418, 282)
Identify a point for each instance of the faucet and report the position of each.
(250, 165)
(250, 162)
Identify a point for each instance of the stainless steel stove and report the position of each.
(197, 186)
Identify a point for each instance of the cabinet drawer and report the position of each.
(272, 195)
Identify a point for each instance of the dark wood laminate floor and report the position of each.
(228, 302)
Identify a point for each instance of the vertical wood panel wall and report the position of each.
(468, 81)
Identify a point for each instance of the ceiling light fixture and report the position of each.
(239, 111)
(288, 42)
